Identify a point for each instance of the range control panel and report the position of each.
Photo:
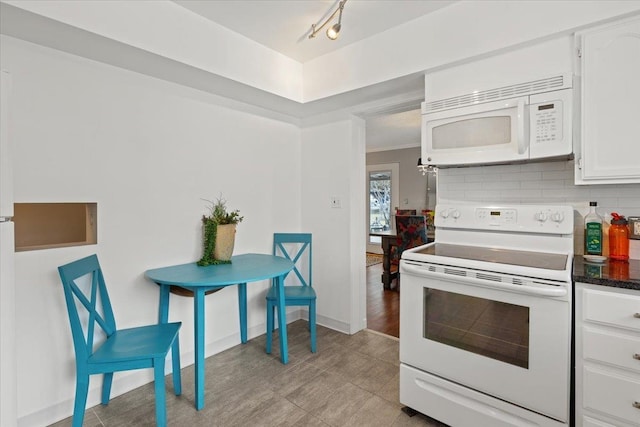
(556, 219)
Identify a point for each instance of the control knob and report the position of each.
(455, 214)
(541, 217)
(557, 217)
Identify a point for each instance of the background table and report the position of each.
(389, 239)
(243, 269)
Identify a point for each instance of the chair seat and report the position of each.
(293, 292)
(136, 343)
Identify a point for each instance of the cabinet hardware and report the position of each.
(636, 405)
(636, 315)
(636, 356)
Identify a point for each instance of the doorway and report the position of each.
(382, 193)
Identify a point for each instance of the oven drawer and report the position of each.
(591, 422)
(612, 309)
(612, 393)
(459, 406)
(612, 348)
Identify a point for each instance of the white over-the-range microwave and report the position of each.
(516, 123)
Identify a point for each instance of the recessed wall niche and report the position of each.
(54, 225)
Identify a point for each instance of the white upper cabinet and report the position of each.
(608, 149)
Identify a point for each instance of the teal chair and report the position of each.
(121, 350)
(297, 248)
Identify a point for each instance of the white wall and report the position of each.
(169, 30)
(334, 166)
(146, 151)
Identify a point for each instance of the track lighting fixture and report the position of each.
(332, 32)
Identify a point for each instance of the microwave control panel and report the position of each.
(550, 124)
(547, 121)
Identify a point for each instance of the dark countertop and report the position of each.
(611, 273)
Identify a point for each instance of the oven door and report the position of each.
(508, 341)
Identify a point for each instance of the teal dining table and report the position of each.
(243, 269)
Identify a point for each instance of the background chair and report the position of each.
(412, 232)
(121, 350)
(405, 211)
(395, 257)
(286, 245)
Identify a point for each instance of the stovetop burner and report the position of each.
(500, 256)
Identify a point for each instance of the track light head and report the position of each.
(332, 32)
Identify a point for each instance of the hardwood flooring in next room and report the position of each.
(383, 307)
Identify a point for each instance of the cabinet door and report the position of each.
(610, 123)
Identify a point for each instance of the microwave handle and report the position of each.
(522, 120)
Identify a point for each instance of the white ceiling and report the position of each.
(393, 131)
(284, 26)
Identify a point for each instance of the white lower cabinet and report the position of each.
(607, 357)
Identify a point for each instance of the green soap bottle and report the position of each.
(593, 231)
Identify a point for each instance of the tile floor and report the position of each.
(350, 381)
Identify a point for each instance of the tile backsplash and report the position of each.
(545, 183)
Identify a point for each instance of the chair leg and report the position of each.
(161, 404)
(175, 360)
(270, 308)
(106, 387)
(312, 324)
(82, 388)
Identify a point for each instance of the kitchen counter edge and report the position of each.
(616, 274)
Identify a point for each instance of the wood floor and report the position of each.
(383, 307)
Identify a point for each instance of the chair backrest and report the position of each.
(94, 304)
(405, 211)
(285, 244)
(429, 215)
(411, 231)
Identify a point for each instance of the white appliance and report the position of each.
(515, 123)
(8, 387)
(485, 317)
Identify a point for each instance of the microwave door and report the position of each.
(494, 132)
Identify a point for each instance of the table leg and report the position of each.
(282, 321)
(163, 307)
(386, 261)
(198, 311)
(242, 303)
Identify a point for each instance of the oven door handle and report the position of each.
(546, 291)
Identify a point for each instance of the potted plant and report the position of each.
(219, 232)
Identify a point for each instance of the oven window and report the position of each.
(490, 328)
